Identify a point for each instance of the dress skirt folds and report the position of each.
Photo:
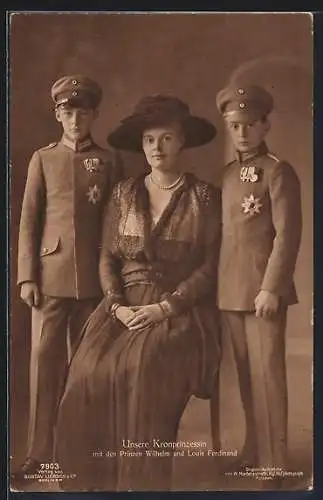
(126, 391)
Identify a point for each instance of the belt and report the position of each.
(148, 277)
(137, 277)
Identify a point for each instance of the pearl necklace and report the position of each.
(169, 186)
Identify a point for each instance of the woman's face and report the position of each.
(162, 145)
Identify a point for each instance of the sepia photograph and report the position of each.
(161, 251)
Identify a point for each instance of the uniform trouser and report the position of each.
(56, 327)
(259, 350)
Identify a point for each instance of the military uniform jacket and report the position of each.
(262, 223)
(60, 227)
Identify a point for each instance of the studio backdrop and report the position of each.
(133, 55)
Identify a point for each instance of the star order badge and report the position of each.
(251, 205)
(91, 164)
(94, 194)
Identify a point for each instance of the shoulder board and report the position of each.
(94, 144)
(103, 151)
(230, 162)
(273, 157)
(50, 146)
(100, 148)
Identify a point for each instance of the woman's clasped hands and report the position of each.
(137, 318)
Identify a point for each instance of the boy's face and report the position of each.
(76, 122)
(247, 135)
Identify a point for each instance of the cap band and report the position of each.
(244, 116)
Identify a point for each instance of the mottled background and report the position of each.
(193, 55)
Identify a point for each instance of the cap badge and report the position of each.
(91, 164)
(251, 205)
(94, 194)
(249, 174)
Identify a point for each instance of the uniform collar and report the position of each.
(246, 157)
(77, 146)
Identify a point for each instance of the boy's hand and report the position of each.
(266, 304)
(30, 293)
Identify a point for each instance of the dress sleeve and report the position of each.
(203, 280)
(110, 262)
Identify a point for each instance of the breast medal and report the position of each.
(249, 174)
(251, 205)
(91, 164)
(94, 194)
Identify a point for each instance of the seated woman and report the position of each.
(154, 340)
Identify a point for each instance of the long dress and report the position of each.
(125, 391)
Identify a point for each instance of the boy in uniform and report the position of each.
(68, 185)
(262, 221)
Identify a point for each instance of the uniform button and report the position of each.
(74, 93)
(74, 82)
(45, 249)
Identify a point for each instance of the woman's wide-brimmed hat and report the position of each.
(160, 110)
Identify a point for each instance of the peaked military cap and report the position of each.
(76, 90)
(244, 101)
